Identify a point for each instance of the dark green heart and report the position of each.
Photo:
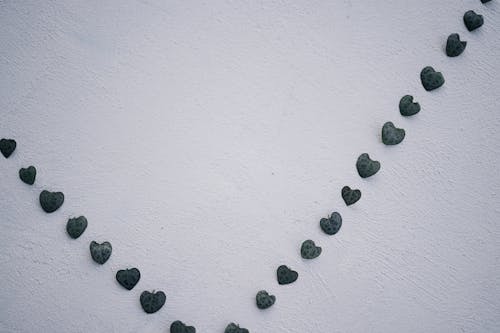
(407, 107)
(350, 196)
(286, 275)
(76, 226)
(391, 135)
(51, 201)
(152, 301)
(431, 79)
(485, 1)
(179, 327)
(7, 147)
(332, 224)
(28, 175)
(128, 278)
(233, 328)
(366, 166)
(264, 300)
(309, 250)
(472, 20)
(100, 252)
(454, 46)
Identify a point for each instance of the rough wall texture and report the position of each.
(205, 140)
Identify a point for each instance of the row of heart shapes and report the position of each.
(151, 302)
(128, 278)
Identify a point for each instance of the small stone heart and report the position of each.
(407, 107)
(309, 250)
(179, 327)
(7, 147)
(454, 46)
(472, 20)
(100, 252)
(331, 225)
(128, 278)
(28, 175)
(350, 196)
(391, 135)
(152, 301)
(51, 201)
(264, 300)
(233, 328)
(286, 275)
(76, 226)
(366, 166)
(431, 79)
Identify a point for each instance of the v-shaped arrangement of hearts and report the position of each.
(152, 302)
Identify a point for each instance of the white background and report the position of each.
(205, 140)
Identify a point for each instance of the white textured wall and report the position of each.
(205, 140)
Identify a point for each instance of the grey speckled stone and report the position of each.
(233, 328)
(264, 300)
(431, 79)
(76, 226)
(472, 20)
(128, 278)
(51, 201)
(28, 175)
(366, 166)
(331, 225)
(454, 46)
(309, 250)
(350, 196)
(179, 327)
(151, 302)
(100, 252)
(391, 135)
(407, 107)
(7, 147)
(286, 275)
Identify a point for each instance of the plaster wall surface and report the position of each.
(206, 139)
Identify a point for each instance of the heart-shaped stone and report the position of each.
(454, 46)
(350, 196)
(472, 20)
(286, 275)
(76, 226)
(431, 79)
(128, 278)
(100, 252)
(407, 107)
(264, 300)
(233, 328)
(51, 201)
(366, 166)
(152, 301)
(179, 327)
(28, 175)
(7, 147)
(309, 250)
(391, 135)
(331, 225)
